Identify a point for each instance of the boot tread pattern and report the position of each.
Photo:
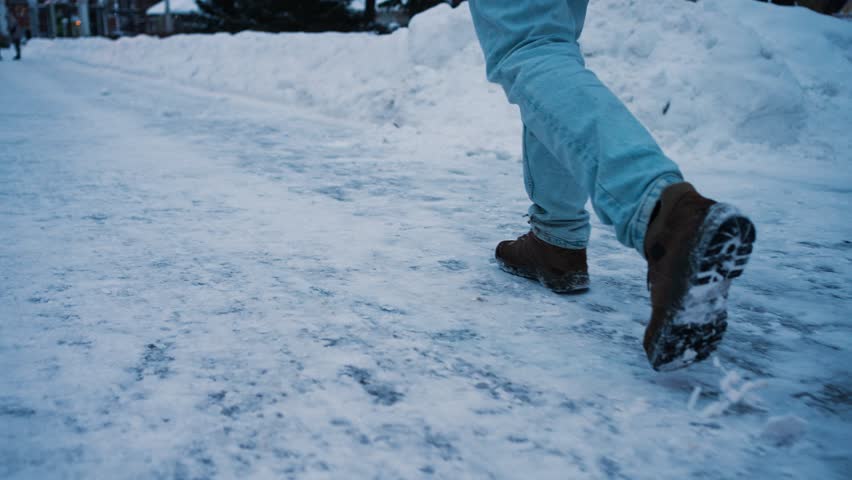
(696, 324)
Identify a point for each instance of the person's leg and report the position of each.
(554, 251)
(558, 214)
(531, 50)
(18, 49)
(694, 246)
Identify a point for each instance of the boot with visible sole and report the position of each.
(562, 270)
(695, 247)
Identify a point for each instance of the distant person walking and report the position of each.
(14, 34)
(581, 142)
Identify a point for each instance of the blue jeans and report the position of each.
(580, 141)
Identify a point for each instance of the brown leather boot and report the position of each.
(694, 247)
(562, 270)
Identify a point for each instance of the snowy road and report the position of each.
(204, 285)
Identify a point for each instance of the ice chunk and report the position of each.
(784, 431)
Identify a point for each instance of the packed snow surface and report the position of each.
(270, 256)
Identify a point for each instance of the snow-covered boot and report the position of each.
(694, 247)
(562, 270)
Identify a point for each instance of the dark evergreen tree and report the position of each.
(416, 6)
(391, 4)
(283, 15)
(413, 7)
(370, 11)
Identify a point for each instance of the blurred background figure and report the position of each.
(14, 33)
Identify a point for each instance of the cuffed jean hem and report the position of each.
(556, 241)
(639, 224)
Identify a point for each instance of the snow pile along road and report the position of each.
(723, 71)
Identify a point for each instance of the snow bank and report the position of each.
(704, 76)
(361, 76)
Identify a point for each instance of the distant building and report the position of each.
(21, 10)
(186, 18)
(124, 17)
(76, 18)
